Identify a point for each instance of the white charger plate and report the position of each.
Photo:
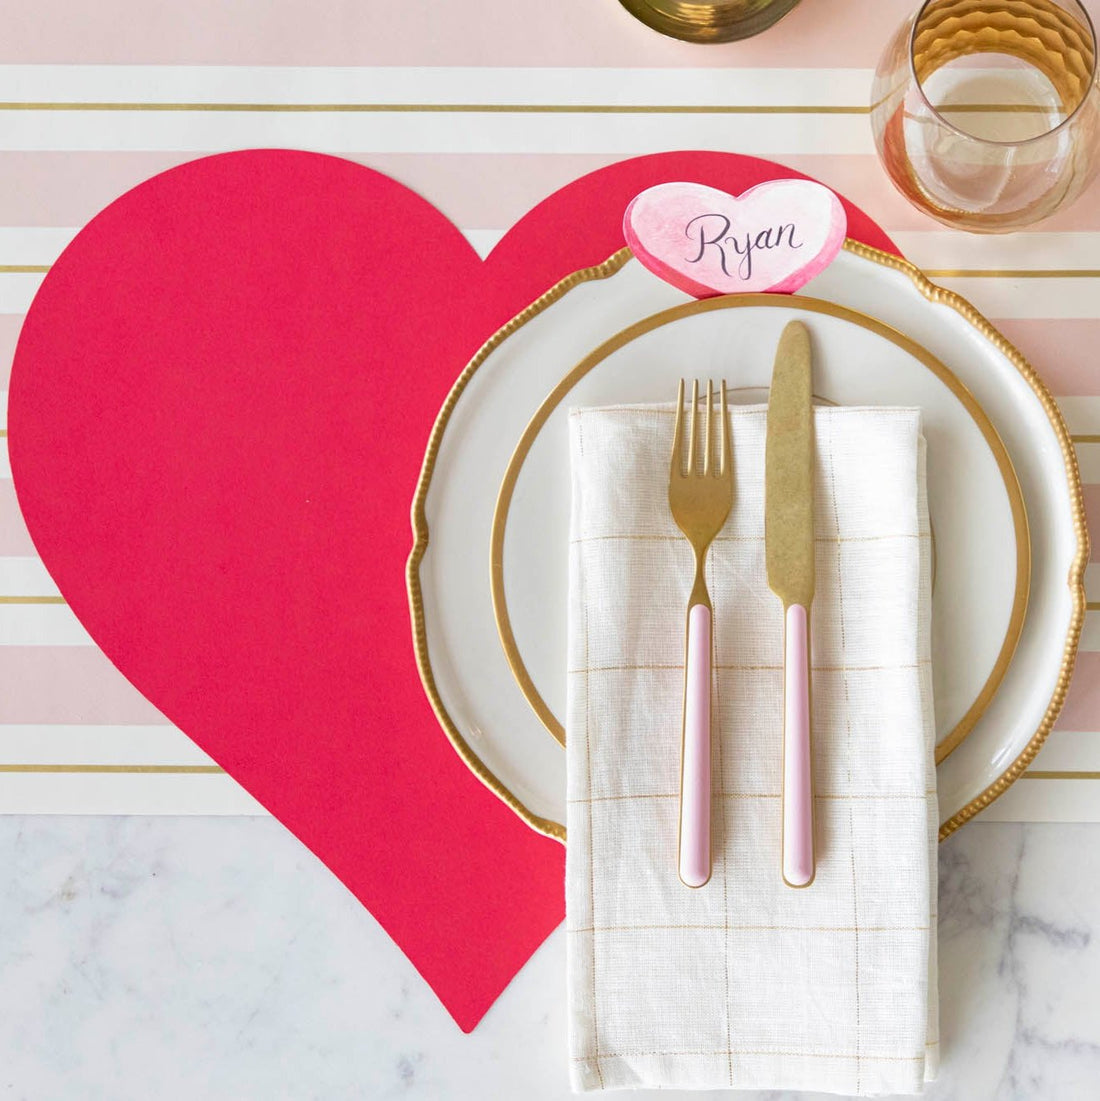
(491, 511)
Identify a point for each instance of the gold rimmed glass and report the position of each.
(709, 20)
(986, 113)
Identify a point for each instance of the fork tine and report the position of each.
(694, 425)
(678, 432)
(727, 457)
(708, 441)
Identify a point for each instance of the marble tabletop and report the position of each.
(211, 958)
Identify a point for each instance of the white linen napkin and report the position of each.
(748, 983)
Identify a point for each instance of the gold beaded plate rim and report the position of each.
(930, 291)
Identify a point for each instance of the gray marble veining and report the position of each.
(216, 958)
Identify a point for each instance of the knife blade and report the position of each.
(789, 555)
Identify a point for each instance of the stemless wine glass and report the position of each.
(986, 113)
(709, 20)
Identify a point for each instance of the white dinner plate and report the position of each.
(488, 573)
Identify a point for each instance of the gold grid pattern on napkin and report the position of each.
(623, 785)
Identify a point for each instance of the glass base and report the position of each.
(720, 21)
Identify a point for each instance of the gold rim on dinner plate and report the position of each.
(930, 291)
(811, 305)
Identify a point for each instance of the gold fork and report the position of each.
(700, 494)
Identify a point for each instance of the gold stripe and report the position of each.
(493, 108)
(1060, 774)
(1086, 437)
(23, 269)
(1092, 605)
(174, 770)
(33, 600)
(1014, 273)
(458, 108)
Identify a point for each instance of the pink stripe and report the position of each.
(861, 179)
(423, 32)
(15, 540)
(68, 684)
(478, 191)
(1092, 514)
(1063, 352)
(1081, 215)
(67, 189)
(1082, 709)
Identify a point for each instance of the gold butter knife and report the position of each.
(789, 553)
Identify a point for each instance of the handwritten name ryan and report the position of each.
(712, 231)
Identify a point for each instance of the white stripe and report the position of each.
(5, 465)
(1020, 298)
(952, 249)
(41, 625)
(17, 289)
(433, 132)
(442, 84)
(1082, 415)
(1088, 461)
(25, 577)
(33, 244)
(1069, 750)
(4, 408)
(483, 240)
(123, 793)
(47, 744)
(1047, 801)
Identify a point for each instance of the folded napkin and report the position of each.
(748, 983)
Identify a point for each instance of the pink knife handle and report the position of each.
(695, 754)
(798, 811)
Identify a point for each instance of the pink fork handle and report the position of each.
(694, 857)
(798, 813)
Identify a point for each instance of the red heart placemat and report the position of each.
(218, 409)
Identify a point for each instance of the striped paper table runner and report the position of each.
(484, 109)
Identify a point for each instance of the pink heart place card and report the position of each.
(775, 237)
